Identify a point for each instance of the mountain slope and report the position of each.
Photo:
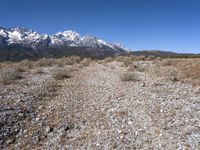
(20, 43)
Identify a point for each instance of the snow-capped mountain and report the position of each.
(25, 38)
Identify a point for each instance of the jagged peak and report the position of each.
(28, 37)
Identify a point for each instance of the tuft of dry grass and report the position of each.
(131, 67)
(129, 76)
(44, 62)
(108, 59)
(9, 75)
(150, 58)
(190, 69)
(86, 62)
(26, 64)
(61, 73)
(19, 68)
(71, 60)
(168, 72)
(38, 70)
(179, 70)
(46, 89)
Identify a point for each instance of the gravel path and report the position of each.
(96, 110)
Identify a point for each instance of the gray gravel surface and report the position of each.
(96, 110)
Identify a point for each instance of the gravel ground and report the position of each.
(96, 110)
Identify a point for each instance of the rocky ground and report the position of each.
(96, 109)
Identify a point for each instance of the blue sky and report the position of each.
(172, 25)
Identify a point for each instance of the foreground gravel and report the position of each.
(96, 110)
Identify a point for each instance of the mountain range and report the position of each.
(20, 41)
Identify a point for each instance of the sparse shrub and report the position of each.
(26, 64)
(72, 60)
(168, 62)
(38, 70)
(19, 68)
(44, 62)
(158, 59)
(61, 73)
(46, 89)
(8, 75)
(112, 67)
(180, 69)
(127, 63)
(86, 62)
(119, 58)
(108, 59)
(141, 68)
(150, 58)
(140, 58)
(169, 72)
(131, 67)
(129, 76)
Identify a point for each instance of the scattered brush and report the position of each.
(38, 70)
(131, 67)
(9, 75)
(86, 62)
(61, 73)
(129, 76)
(46, 89)
(19, 68)
(108, 59)
(169, 72)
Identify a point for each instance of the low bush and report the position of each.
(61, 73)
(129, 76)
(9, 75)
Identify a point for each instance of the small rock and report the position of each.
(40, 107)
(48, 129)
(130, 122)
(9, 141)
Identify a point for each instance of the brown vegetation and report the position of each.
(179, 69)
(9, 75)
(129, 76)
(86, 62)
(61, 73)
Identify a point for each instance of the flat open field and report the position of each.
(115, 103)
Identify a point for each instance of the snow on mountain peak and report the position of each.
(68, 35)
(32, 39)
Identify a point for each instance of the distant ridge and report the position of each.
(20, 43)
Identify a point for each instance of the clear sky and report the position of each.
(172, 25)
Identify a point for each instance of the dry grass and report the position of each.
(27, 64)
(168, 72)
(179, 70)
(108, 59)
(129, 76)
(19, 68)
(38, 70)
(130, 58)
(131, 67)
(44, 62)
(46, 89)
(190, 69)
(9, 75)
(86, 62)
(72, 60)
(150, 58)
(61, 73)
